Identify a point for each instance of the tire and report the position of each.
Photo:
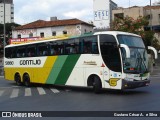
(97, 86)
(26, 80)
(17, 79)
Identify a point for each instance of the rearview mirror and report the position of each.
(128, 54)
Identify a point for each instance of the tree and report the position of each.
(136, 26)
(9, 27)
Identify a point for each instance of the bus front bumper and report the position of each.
(134, 84)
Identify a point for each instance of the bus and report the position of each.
(109, 59)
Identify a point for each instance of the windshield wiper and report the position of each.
(140, 64)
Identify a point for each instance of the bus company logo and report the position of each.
(30, 62)
(6, 114)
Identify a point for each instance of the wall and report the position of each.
(101, 13)
(133, 12)
(72, 30)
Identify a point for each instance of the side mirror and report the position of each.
(154, 50)
(128, 54)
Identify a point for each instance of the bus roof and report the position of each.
(115, 33)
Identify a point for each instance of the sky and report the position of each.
(27, 11)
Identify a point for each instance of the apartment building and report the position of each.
(9, 11)
(151, 12)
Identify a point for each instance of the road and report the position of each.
(53, 98)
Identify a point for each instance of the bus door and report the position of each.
(111, 57)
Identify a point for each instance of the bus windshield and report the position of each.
(138, 61)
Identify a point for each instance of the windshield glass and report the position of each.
(138, 61)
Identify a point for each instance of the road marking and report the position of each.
(28, 92)
(54, 90)
(10, 87)
(14, 93)
(1, 93)
(41, 90)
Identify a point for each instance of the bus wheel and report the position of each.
(17, 79)
(26, 80)
(97, 86)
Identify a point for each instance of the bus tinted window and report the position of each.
(89, 45)
(72, 46)
(8, 53)
(83, 45)
(42, 50)
(131, 41)
(21, 52)
(110, 52)
(31, 51)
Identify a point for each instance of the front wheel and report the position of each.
(97, 86)
(26, 80)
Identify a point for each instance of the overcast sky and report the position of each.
(31, 10)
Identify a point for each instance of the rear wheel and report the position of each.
(26, 80)
(17, 79)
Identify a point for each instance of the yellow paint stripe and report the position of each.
(45, 71)
(37, 75)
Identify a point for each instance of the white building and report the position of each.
(41, 28)
(9, 11)
(103, 13)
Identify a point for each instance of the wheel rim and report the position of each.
(26, 81)
(18, 80)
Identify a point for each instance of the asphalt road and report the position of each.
(53, 98)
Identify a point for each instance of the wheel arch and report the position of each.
(90, 79)
(17, 73)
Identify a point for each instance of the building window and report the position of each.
(42, 34)
(159, 16)
(149, 17)
(54, 33)
(119, 15)
(30, 35)
(19, 36)
(64, 32)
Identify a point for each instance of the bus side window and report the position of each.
(8, 52)
(95, 48)
(60, 48)
(89, 45)
(42, 50)
(53, 48)
(20, 52)
(31, 51)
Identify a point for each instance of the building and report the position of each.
(133, 12)
(151, 12)
(9, 11)
(103, 13)
(55, 27)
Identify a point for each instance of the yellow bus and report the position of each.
(109, 59)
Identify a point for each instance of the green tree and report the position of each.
(136, 26)
(9, 27)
